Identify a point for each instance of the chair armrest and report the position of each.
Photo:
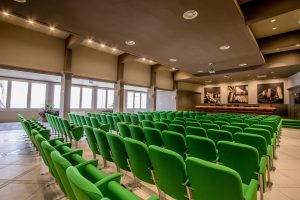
(81, 166)
(54, 141)
(60, 146)
(69, 155)
(102, 184)
(77, 132)
(251, 190)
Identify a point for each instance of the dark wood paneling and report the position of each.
(187, 100)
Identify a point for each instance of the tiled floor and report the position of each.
(23, 175)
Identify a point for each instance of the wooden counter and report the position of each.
(238, 109)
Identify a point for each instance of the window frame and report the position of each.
(134, 92)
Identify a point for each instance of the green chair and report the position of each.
(193, 124)
(134, 119)
(116, 120)
(149, 117)
(88, 121)
(137, 133)
(175, 141)
(236, 120)
(82, 119)
(207, 126)
(153, 136)
(250, 122)
(222, 119)
(232, 129)
(196, 131)
(103, 118)
(177, 128)
(241, 125)
(95, 122)
(221, 123)
(170, 173)
(141, 117)
(148, 123)
(161, 126)
(211, 181)
(110, 121)
(98, 117)
(219, 135)
(170, 116)
(102, 144)
(242, 158)
(91, 140)
(179, 122)
(118, 151)
(167, 121)
(138, 156)
(127, 118)
(201, 147)
(124, 129)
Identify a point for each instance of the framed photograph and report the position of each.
(238, 94)
(270, 93)
(297, 98)
(212, 95)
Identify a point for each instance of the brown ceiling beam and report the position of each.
(259, 10)
(290, 39)
(73, 41)
(126, 57)
(282, 59)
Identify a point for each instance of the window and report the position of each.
(86, 100)
(144, 101)
(38, 95)
(137, 100)
(130, 100)
(110, 99)
(101, 98)
(75, 97)
(3, 93)
(56, 98)
(19, 91)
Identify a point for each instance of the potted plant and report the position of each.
(48, 108)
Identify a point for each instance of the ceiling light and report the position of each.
(298, 21)
(272, 72)
(130, 42)
(102, 45)
(278, 49)
(200, 71)
(173, 68)
(207, 81)
(89, 41)
(224, 47)
(248, 75)
(114, 49)
(52, 28)
(20, 1)
(297, 45)
(30, 21)
(172, 59)
(5, 13)
(243, 64)
(273, 20)
(190, 14)
(143, 59)
(274, 28)
(261, 76)
(150, 61)
(226, 76)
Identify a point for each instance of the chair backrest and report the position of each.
(119, 154)
(140, 163)
(222, 119)
(167, 121)
(95, 123)
(116, 120)
(221, 123)
(196, 131)
(179, 122)
(88, 121)
(177, 128)
(256, 141)
(127, 118)
(193, 124)
(137, 133)
(141, 117)
(148, 123)
(239, 157)
(61, 164)
(103, 118)
(211, 181)
(232, 129)
(218, 135)
(110, 121)
(149, 117)
(91, 140)
(161, 126)
(207, 126)
(82, 119)
(170, 116)
(242, 125)
(102, 144)
(83, 188)
(124, 129)
(175, 142)
(134, 119)
(251, 121)
(237, 120)
(262, 132)
(273, 124)
(153, 136)
(266, 127)
(98, 117)
(201, 147)
(170, 173)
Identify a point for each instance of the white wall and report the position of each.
(294, 80)
(165, 100)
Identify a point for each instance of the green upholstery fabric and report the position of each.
(177, 128)
(161, 126)
(241, 125)
(201, 147)
(116, 120)
(221, 123)
(196, 131)
(134, 119)
(148, 123)
(167, 121)
(139, 159)
(251, 121)
(193, 124)
(103, 118)
(153, 136)
(218, 135)
(124, 129)
(237, 120)
(170, 173)
(208, 126)
(211, 181)
(91, 140)
(175, 141)
(232, 129)
(179, 122)
(137, 133)
(102, 144)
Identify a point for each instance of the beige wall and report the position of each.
(190, 87)
(164, 80)
(29, 49)
(137, 73)
(294, 80)
(91, 63)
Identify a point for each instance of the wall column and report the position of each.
(152, 90)
(119, 86)
(175, 89)
(65, 94)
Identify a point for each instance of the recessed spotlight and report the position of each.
(102, 45)
(298, 21)
(297, 45)
(190, 14)
(261, 76)
(273, 20)
(226, 76)
(200, 71)
(114, 49)
(274, 28)
(248, 75)
(150, 61)
(272, 72)
(224, 47)
(52, 28)
(143, 59)
(130, 42)
(207, 81)
(89, 41)
(5, 13)
(243, 64)
(278, 49)
(173, 68)
(172, 59)
(20, 1)
(30, 21)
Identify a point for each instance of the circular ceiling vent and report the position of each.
(20, 1)
(190, 14)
